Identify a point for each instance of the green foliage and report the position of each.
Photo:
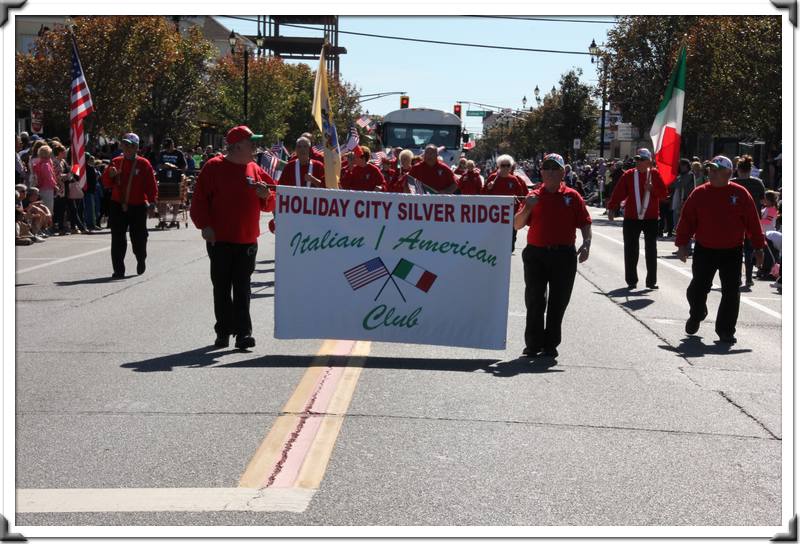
(145, 76)
(733, 80)
(564, 115)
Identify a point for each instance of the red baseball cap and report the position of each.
(237, 134)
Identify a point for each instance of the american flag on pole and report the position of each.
(279, 150)
(378, 157)
(364, 121)
(269, 163)
(352, 140)
(319, 148)
(80, 105)
(365, 273)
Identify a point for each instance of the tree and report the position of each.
(121, 58)
(731, 89)
(270, 95)
(177, 98)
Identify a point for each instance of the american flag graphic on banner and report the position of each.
(352, 140)
(365, 273)
(80, 105)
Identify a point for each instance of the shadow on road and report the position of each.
(208, 356)
(255, 284)
(637, 303)
(265, 271)
(693, 346)
(103, 279)
(262, 295)
(625, 292)
(268, 261)
(196, 358)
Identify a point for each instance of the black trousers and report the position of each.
(231, 268)
(665, 219)
(135, 221)
(705, 263)
(59, 211)
(75, 210)
(631, 228)
(549, 277)
(748, 259)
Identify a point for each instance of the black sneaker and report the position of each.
(118, 275)
(692, 326)
(727, 338)
(140, 267)
(550, 352)
(222, 341)
(531, 352)
(245, 342)
(652, 286)
(631, 286)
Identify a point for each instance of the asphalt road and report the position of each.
(120, 395)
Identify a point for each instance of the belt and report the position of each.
(554, 247)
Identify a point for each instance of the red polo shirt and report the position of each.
(505, 186)
(719, 218)
(287, 176)
(225, 200)
(555, 217)
(144, 188)
(438, 177)
(624, 191)
(470, 183)
(363, 178)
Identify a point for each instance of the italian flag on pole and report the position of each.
(666, 130)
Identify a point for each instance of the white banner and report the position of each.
(392, 267)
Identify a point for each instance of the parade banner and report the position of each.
(392, 267)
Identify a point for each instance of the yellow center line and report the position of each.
(316, 462)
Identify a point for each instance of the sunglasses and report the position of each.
(550, 166)
(505, 166)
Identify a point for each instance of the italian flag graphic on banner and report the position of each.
(414, 274)
(666, 130)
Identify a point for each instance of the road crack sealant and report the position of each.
(294, 435)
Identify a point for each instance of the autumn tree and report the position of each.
(733, 80)
(121, 56)
(177, 97)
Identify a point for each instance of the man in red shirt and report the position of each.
(230, 194)
(461, 168)
(718, 214)
(470, 182)
(434, 173)
(363, 176)
(505, 183)
(133, 188)
(552, 213)
(641, 188)
(302, 170)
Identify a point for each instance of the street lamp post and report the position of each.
(536, 96)
(524, 102)
(246, 55)
(595, 52)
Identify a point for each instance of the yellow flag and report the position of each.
(321, 110)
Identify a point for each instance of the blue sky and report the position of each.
(436, 76)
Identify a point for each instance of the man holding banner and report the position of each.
(230, 194)
(434, 173)
(552, 213)
(303, 170)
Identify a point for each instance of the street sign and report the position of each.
(576, 144)
(476, 113)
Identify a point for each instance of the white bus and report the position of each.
(415, 128)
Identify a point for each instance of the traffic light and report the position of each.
(457, 110)
(403, 101)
